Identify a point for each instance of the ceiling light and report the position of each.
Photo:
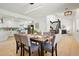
(31, 3)
(67, 12)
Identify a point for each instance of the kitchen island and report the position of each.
(4, 35)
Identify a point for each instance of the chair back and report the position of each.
(53, 40)
(25, 40)
(58, 38)
(17, 37)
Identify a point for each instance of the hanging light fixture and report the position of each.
(67, 12)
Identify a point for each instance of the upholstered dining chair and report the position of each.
(28, 46)
(54, 41)
(49, 47)
(18, 42)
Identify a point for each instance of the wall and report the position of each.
(42, 24)
(77, 21)
(76, 25)
(68, 23)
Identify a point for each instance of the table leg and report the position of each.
(56, 49)
(42, 49)
(21, 49)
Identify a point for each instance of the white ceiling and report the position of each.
(37, 9)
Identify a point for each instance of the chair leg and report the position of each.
(17, 47)
(52, 51)
(45, 51)
(16, 50)
(23, 50)
(56, 49)
(29, 51)
(38, 52)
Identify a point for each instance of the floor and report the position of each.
(66, 47)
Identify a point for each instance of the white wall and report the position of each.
(68, 23)
(42, 24)
(76, 25)
(77, 20)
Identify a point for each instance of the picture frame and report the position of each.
(37, 25)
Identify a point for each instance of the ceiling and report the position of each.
(37, 10)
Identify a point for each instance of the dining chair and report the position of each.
(18, 42)
(55, 40)
(50, 47)
(28, 46)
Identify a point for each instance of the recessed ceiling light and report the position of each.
(31, 3)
